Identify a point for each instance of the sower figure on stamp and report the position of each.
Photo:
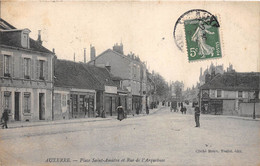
(197, 115)
(5, 118)
(200, 37)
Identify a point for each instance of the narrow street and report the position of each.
(161, 138)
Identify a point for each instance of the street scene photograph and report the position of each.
(129, 83)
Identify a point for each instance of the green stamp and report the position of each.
(202, 39)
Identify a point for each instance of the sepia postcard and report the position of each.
(174, 83)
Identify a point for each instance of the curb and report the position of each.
(80, 121)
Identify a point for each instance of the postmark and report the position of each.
(198, 30)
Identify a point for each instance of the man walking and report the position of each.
(5, 118)
(197, 115)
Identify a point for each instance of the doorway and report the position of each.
(41, 107)
(16, 106)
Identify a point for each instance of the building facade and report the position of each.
(26, 79)
(83, 91)
(132, 72)
(228, 93)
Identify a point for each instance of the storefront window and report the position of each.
(63, 100)
(74, 103)
(240, 94)
(219, 92)
(81, 103)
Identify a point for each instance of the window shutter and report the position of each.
(25, 66)
(23, 102)
(37, 74)
(31, 68)
(12, 66)
(29, 104)
(46, 70)
(22, 67)
(1, 65)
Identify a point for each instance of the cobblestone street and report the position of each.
(161, 138)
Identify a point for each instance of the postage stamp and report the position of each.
(200, 34)
(202, 39)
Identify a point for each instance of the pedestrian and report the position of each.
(197, 115)
(184, 109)
(103, 113)
(120, 113)
(147, 109)
(5, 118)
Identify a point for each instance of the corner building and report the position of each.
(26, 80)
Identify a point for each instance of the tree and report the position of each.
(177, 89)
(162, 89)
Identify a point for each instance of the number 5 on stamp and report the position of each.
(202, 39)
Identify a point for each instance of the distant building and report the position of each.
(131, 70)
(26, 79)
(217, 69)
(227, 94)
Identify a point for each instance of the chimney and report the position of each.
(84, 55)
(53, 50)
(39, 40)
(118, 48)
(92, 52)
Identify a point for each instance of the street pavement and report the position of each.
(160, 138)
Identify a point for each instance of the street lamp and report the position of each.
(255, 95)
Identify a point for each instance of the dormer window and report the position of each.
(25, 38)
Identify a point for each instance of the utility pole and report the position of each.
(254, 105)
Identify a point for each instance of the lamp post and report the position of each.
(254, 105)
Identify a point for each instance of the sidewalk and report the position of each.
(244, 118)
(19, 124)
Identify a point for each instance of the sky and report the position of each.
(145, 28)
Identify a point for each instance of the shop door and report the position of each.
(108, 105)
(41, 106)
(16, 106)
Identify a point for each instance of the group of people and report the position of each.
(121, 114)
(175, 106)
(179, 106)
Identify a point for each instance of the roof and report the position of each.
(116, 53)
(80, 75)
(9, 38)
(234, 81)
(5, 25)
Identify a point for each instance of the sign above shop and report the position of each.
(111, 89)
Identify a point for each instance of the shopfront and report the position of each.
(82, 104)
(137, 104)
(110, 100)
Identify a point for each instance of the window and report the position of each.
(25, 41)
(27, 103)
(41, 70)
(134, 70)
(63, 100)
(240, 94)
(27, 68)
(7, 66)
(219, 93)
